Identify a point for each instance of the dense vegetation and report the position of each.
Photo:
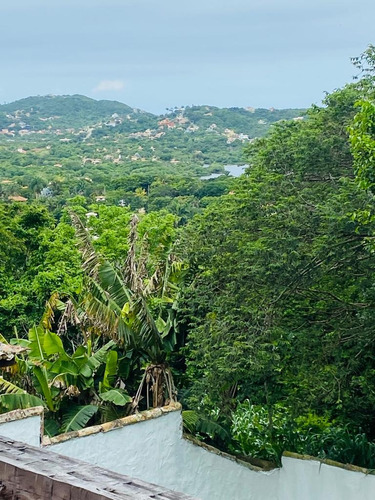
(256, 293)
(55, 147)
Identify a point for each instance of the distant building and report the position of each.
(17, 198)
(46, 192)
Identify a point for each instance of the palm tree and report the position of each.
(136, 310)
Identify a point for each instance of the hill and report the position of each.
(53, 112)
(248, 121)
(55, 147)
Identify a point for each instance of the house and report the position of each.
(166, 123)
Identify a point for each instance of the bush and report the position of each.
(266, 432)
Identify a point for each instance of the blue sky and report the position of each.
(153, 55)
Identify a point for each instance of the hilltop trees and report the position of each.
(362, 131)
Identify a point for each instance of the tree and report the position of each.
(279, 307)
(39, 258)
(133, 308)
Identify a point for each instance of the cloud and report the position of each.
(109, 86)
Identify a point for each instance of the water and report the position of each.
(233, 170)
(211, 176)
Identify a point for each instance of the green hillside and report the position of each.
(51, 112)
(249, 121)
(69, 111)
(56, 147)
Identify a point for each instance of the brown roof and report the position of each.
(17, 198)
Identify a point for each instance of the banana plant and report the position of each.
(137, 311)
(70, 386)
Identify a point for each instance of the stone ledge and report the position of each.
(327, 461)
(114, 424)
(10, 416)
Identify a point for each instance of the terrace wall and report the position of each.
(150, 446)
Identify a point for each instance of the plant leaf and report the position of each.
(53, 344)
(41, 375)
(51, 427)
(89, 256)
(9, 402)
(77, 417)
(116, 396)
(3, 339)
(110, 371)
(7, 387)
(96, 359)
(36, 337)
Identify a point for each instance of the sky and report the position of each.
(155, 55)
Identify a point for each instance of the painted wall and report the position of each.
(26, 430)
(209, 476)
(154, 450)
(312, 480)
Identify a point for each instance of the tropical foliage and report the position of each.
(256, 295)
(279, 305)
(73, 387)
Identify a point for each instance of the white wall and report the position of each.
(312, 480)
(26, 430)
(154, 450)
(209, 476)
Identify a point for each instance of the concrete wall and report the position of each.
(153, 450)
(210, 476)
(150, 446)
(32, 473)
(23, 425)
(313, 480)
